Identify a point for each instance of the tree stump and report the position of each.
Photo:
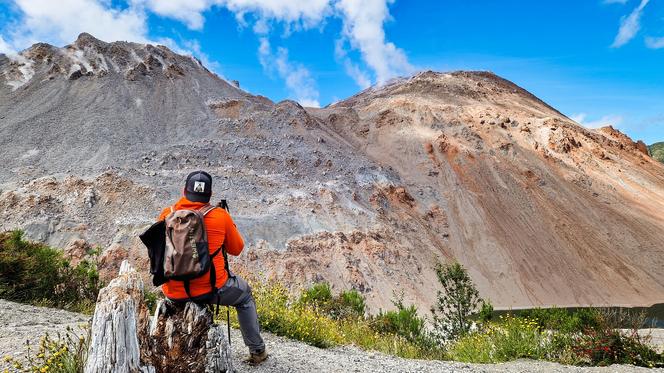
(180, 337)
(183, 338)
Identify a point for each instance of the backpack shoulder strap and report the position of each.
(205, 209)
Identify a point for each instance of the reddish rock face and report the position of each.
(109, 263)
(624, 141)
(76, 251)
(642, 147)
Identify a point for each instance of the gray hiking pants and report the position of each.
(237, 293)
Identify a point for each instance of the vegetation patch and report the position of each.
(462, 327)
(657, 151)
(322, 319)
(63, 354)
(37, 274)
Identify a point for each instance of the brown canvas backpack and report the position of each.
(187, 255)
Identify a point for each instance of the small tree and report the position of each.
(456, 302)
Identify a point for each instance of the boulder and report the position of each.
(179, 337)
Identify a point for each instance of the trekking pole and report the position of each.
(224, 205)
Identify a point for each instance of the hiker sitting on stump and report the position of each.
(195, 267)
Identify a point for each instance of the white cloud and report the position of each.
(607, 120)
(298, 78)
(305, 13)
(629, 26)
(308, 13)
(60, 22)
(186, 11)
(363, 26)
(655, 43)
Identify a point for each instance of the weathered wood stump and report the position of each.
(180, 337)
(183, 338)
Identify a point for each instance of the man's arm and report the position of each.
(233, 239)
(164, 213)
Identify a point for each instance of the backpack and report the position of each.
(186, 253)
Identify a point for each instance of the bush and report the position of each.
(64, 354)
(486, 312)
(319, 293)
(278, 314)
(563, 320)
(403, 321)
(456, 303)
(152, 299)
(316, 317)
(583, 337)
(349, 303)
(509, 339)
(35, 273)
(604, 344)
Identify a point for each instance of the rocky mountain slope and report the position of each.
(367, 193)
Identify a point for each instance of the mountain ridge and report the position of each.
(366, 193)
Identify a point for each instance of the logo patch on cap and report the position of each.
(199, 186)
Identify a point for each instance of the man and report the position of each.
(233, 290)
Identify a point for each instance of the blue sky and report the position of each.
(600, 62)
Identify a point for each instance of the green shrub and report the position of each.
(456, 302)
(35, 273)
(508, 339)
(348, 303)
(403, 321)
(657, 151)
(486, 312)
(279, 314)
(564, 320)
(151, 299)
(319, 293)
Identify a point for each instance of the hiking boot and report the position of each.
(256, 358)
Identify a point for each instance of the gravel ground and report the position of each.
(20, 322)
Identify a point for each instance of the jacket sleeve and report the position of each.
(233, 239)
(164, 213)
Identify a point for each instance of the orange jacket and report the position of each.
(220, 228)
